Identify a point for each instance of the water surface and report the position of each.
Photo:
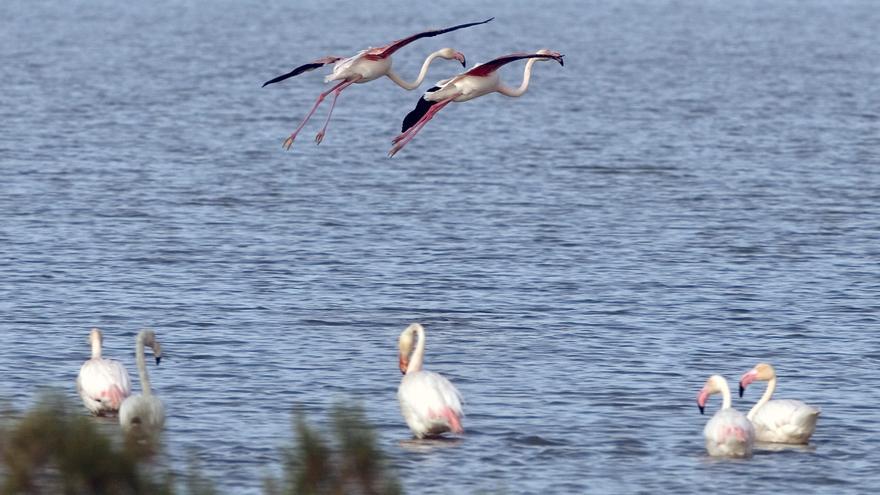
(694, 192)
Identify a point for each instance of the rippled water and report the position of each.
(694, 192)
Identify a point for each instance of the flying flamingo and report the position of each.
(102, 383)
(144, 412)
(780, 420)
(430, 404)
(480, 80)
(366, 66)
(729, 433)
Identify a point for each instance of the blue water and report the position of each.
(694, 192)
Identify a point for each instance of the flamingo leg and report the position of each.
(401, 140)
(320, 136)
(289, 141)
(424, 120)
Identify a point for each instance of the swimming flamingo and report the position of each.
(102, 383)
(480, 80)
(144, 412)
(729, 433)
(430, 404)
(780, 420)
(366, 66)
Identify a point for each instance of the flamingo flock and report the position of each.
(105, 387)
(374, 62)
(730, 433)
(430, 404)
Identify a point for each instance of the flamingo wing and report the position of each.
(430, 403)
(491, 66)
(104, 381)
(786, 421)
(419, 111)
(146, 413)
(330, 59)
(729, 433)
(389, 49)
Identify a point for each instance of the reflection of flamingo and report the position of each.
(366, 66)
(729, 433)
(780, 420)
(430, 404)
(482, 79)
(145, 412)
(102, 383)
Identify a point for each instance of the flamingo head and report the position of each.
(149, 339)
(552, 55)
(761, 372)
(450, 54)
(405, 345)
(712, 386)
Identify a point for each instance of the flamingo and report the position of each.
(366, 66)
(729, 433)
(780, 420)
(102, 383)
(145, 411)
(480, 80)
(430, 403)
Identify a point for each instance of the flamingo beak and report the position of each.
(701, 400)
(460, 57)
(404, 364)
(158, 358)
(561, 62)
(746, 380)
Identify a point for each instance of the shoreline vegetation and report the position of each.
(53, 448)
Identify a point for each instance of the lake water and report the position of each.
(697, 190)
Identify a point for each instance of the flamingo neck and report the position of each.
(771, 386)
(96, 348)
(421, 77)
(527, 75)
(725, 396)
(415, 362)
(142, 365)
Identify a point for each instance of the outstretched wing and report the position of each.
(392, 47)
(304, 68)
(491, 66)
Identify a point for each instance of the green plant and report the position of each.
(355, 466)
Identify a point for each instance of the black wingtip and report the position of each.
(419, 111)
(295, 72)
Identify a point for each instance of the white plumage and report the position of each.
(477, 81)
(102, 383)
(780, 420)
(430, 404)
(365, 66)
(729, 433)
(144, 413)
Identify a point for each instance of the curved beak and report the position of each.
(701, 400)
(404, 364)
(746, 380)
(158, 358)
(460, 57)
